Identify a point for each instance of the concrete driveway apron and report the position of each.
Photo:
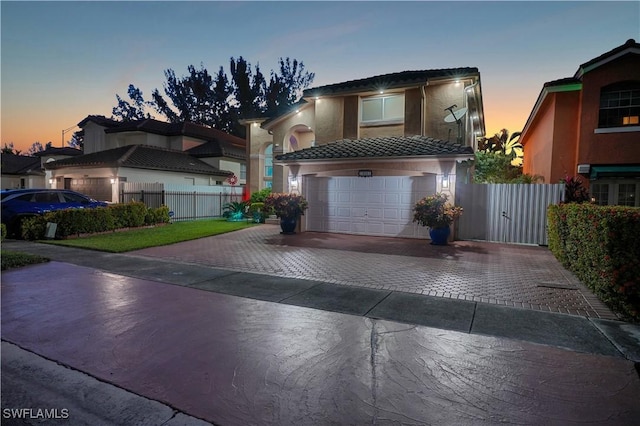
(502, 274)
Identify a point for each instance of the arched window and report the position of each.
(620, 105)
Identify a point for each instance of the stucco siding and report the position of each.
(602, 148)
(412, 112)
(329, 119)
(538, 142)
(565, 135)
(438, 98)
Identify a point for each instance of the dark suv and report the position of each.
(18, 204)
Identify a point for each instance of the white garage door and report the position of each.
(380, 206)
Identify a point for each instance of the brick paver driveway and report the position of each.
(505, 274)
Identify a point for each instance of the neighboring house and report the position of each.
(99, 173)
(21, 171)
(589, 125)
(364, 151)
(150, 151)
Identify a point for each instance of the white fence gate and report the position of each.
(507, 213)
(184, 201)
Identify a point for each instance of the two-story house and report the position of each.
(149, 151)
(588, 125)
(364, 151)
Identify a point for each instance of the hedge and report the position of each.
(601, 246)
(88, 221)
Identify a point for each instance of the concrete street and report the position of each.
(205, 331)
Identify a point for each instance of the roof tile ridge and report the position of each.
(127, 154)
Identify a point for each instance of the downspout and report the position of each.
(423, 115)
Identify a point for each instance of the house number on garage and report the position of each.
(365, 173)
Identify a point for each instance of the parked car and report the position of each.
(18, 204)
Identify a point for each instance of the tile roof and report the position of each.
(141, 157)
(218, 149)
(390, 81)
(562, 82)
(165, 129)
(381, 147)
(630, 44)
(20, 165)
(71, 152)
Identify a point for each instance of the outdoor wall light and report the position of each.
(445, 181)
(113, 180)
(50, 181)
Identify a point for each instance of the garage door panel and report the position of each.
(366, 206)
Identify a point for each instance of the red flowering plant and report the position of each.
(435, 212)
(286, 205)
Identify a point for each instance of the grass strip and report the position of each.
(136, 239)
(16, 259)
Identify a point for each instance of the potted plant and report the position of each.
(288, 207)
(436, 213)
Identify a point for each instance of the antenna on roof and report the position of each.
(456, 116)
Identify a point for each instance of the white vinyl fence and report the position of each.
(185, 202)
(508, 213)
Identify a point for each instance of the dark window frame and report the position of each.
(619, 102)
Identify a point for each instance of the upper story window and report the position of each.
(620, 105)
(382, 109)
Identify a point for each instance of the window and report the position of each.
(382, 109)
(268, 161)
(600, 193)
(620, 105)
(243, 171)
(621, 192)
(627, 194)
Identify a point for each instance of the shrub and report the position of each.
(599, 244)
(3, 231)
(234, 210)
(286, 205)
(260, 196)
(258, 212)
(87, 221)
(435, 212)
(157, 215)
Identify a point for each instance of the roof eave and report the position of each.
(570, 87)
(409, 158)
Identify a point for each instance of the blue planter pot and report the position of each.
(288, 225)
(439, 236)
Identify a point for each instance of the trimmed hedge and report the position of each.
(601, 246)
(90, 221)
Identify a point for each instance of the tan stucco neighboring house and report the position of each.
(364, 151)
(150, 151)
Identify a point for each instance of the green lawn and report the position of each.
(16, 259)
(123, 241)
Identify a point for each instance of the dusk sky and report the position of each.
(62, 61)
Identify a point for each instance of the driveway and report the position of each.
(502, 274)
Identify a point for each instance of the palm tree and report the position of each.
(503, 143)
